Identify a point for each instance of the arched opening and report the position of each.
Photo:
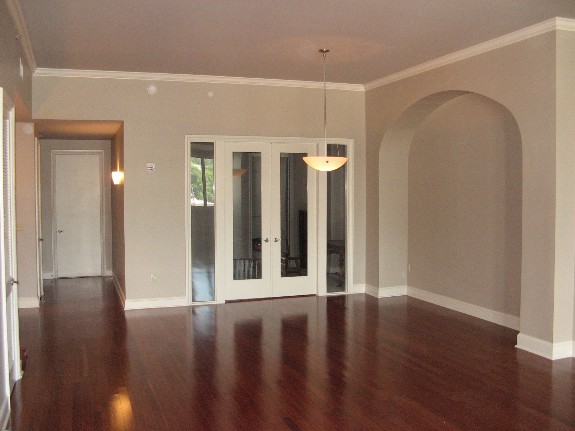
(450, 205)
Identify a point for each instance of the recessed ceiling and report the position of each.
(274, 39)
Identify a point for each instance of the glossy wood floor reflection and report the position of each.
(337, 363)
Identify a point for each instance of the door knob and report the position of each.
(267, 240)
(276, 240)
(60, 231)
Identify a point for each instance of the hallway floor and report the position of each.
(310, 363)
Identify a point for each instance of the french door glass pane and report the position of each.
(336, 223)
(202, 198)
(293, 196)
(247, 215)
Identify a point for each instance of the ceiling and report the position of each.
(274, 39)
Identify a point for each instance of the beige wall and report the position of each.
(26, 235)
(154, 131)
(19, 89)
(565, 238)
(117, 203)
(522, 78)
(464, 195)
(47, 145)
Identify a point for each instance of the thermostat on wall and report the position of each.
(150, 167)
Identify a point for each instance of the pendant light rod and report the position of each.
(324, 54)
(325, 163)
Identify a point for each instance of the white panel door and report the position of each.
(270, 227)
(77, 192)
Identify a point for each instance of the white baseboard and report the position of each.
(140, 304)
(47, 276)
(466, 308)
(119, 291)
(545, 348)
(5, 413)
(372, 290)
(32, 302)
(357, 288)
(385, 292)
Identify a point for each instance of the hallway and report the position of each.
(309, 363)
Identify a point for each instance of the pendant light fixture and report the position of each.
(325, 163)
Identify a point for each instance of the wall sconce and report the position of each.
(117, 177)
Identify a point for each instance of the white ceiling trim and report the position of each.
(205, 79)
(509, 39)
(24, 37)
(553, 24)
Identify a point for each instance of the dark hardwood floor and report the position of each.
(335, 363)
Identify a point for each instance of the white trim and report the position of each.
(499, 42)
(31, 302)
(140, 304)
(545, 348)
(20, 22)
(372, 290)
(204, 79)
(357, 288)
(119, 291)
(5, 413)
(565, 24)
(385, 292)
(497, 317)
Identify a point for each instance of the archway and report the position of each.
(465, 242)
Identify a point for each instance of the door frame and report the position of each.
(8, 311)
(219, 142)
(53, 154)
(38, 204)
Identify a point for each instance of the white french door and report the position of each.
(270, 220)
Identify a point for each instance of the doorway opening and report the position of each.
(80, 210)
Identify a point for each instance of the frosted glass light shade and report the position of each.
(323, 163)
(117, 177)
(239, 172)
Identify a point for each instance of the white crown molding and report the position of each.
(16, 13)
(565, 24)
(509, 39)
(204, 79)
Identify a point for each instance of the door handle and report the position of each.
(276, 240)
(40, 239)
(267, 240)
(60, 231)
